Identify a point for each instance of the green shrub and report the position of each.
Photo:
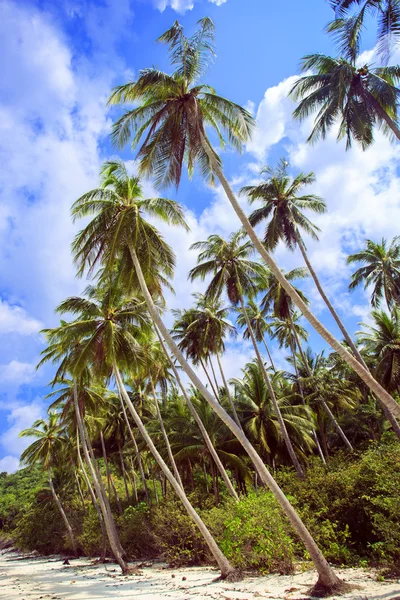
(253, 534)
(136, 532)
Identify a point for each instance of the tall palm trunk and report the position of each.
(228, 392)
(199, 422)
(123, 470)
(213, 373)
(94, 500)
(269, 354)
(301, 392)
(166, 440)
(62, 513)
(324, 404)
(392, 420)
(110, 481)
(132, 475)
(327, 579)
(267, 380)
(106, 512)
(137, 453)
(227, 571)
(81, 496)
(364, 374)
(212, 386)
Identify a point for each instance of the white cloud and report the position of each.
(181, 6)
(20, 418)
(13, 318)
(17, 372)
(9, 464)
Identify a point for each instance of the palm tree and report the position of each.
(357, 98)
(171, 121)
(347, 26)
(259, 325)
(255, 406)
(277, 298)
(110, 236)
(283, 206)
(232, 271)
(106, 335)
(382, 341)
(47, 449)
(381, 269)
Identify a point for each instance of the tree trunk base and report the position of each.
(231, 576)
(132, 570)
(322, 590)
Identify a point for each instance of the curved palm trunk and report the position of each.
(81, 496)
(324, 404)
(121, 459)
(62, 513)
(301, 392)
(110, 481)
(392, 420)
(132, 476)
(208, 377)
(166, 440)
(106, 511)
(327, 579)
(363, 373)
(137, 453)
(269, 355)
(227, 570)
(214, 375)
(199, 422)
(267, 380)
(228, 392)
(94, 501)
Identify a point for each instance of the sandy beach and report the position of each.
(45, 578)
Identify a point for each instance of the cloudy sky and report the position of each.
(59, 62)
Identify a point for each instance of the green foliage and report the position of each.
(136, 532)
(352, 509)
(17, 491)
(253, 533)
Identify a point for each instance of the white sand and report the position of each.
(48, 579)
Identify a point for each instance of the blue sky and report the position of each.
(59, 62)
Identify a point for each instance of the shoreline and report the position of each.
(34, 578)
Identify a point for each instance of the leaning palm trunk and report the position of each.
(363, 373)
(110, 481)
(81, 496)
(199, 422)
(166, 440)
(212, 386)
(269, 355)
(94, 500)
(228, 392)
(327, 579)
(137, 453)
(267, 380)
(123, 470)
(62, 513)
(301, 392)
(107, 516)
(227, 571)
(324, 404)
(392, 420)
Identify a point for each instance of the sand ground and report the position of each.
(46, 578)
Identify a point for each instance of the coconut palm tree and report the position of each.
(382, 341)
(381, 270)
(259, 418)
(259, 324)
(111, 235)
(170, 126)
(348, 25)
(107, 336)
(283, 207)
(232, 271)
(357, 98)
(47, 450)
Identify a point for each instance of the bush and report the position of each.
(253, 534)
(353, 508)
(136, 532)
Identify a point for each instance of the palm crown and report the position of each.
(357, 98)
(281, 204)
(381, 269)
(168, 123)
